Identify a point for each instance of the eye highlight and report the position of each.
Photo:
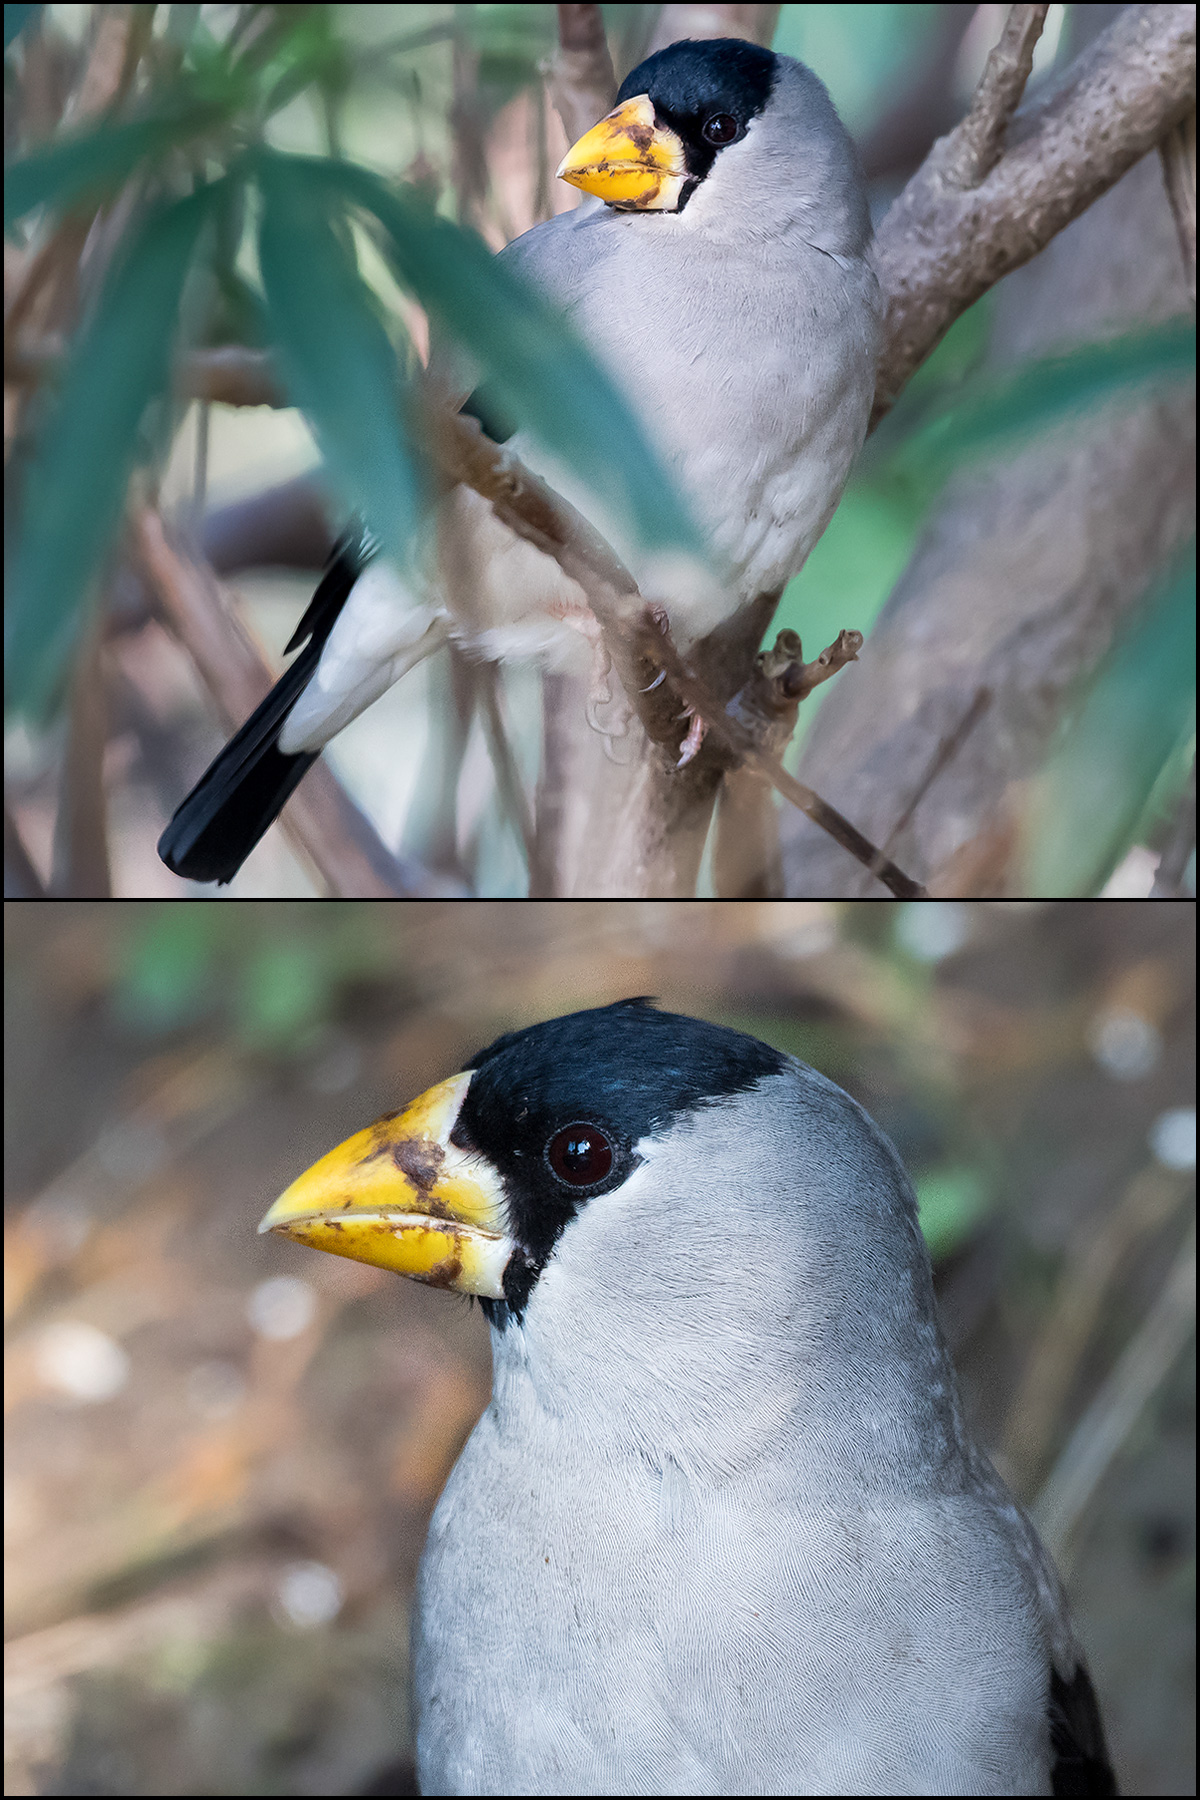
(580, 1154)
(722, 128)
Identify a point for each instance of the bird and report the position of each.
(722, 1527)
(720, 270)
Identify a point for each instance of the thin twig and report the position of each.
(1144, 1365)
(942, 246)
(1177, 151)
(509, 786)
(973, 148)
(738, 742)
(747, 860)
(1091, 1267)
(943, 755)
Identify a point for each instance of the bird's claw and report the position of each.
(695, 737)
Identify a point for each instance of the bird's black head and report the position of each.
(707, 91)
(559, 1108)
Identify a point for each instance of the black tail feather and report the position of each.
(244, 788)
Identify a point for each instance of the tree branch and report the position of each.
(580, 73)
(939, 248)
(973, 148)
(942, 245)
(747, 864)
(757, 23)
(1178, 153)
(633, 631)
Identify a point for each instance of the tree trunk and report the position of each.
(1022, 578)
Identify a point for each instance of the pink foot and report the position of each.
(695, 737)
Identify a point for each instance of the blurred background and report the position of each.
(1030, 620)
(222, 1449)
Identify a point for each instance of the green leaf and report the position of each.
(992, 411)
(339, 362)
(15, 20)
(118, 364)
(1088, 801)
(539, 370)
(96, 163)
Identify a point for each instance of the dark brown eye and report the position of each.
(580, 1155)
(722, 128)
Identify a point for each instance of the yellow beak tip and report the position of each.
(443, 1224)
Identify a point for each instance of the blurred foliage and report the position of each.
(819, 1044)
(512, 42)
(232, 235)
(271, 975)
(274, 977)
(91, 433)
(287, 222)
(348, 380)
(951, 1202)
(157, 1530)
(1002, 412)
(862, 53)
(1125, 759)
(953, 410)
(1124, 754)
(1130, 728)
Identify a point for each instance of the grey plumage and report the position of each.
(734, 303)
(744, 329)
(744, 332)
(722, 1528)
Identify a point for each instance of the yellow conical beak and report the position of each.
(628, 160)
(400, 1195)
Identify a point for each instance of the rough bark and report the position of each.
(1020, 581)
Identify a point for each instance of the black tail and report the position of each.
(244, 788)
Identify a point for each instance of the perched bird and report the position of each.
(721, 274)
(722, 1528)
